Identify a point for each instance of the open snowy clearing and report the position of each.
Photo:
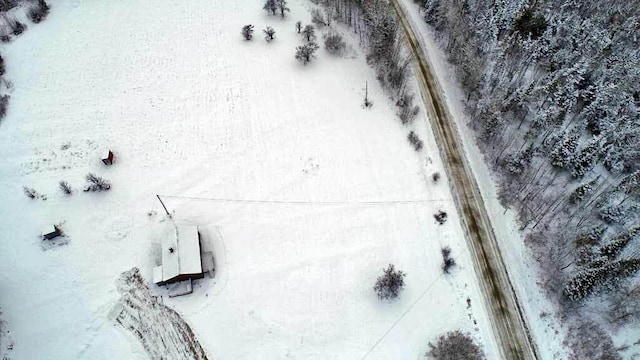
(194, 112)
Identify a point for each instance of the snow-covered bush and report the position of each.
(415, 141)
(455, 345)
(96, 183)
(306, 52)
(247, 32)
(447, 261)
(389, 285)
(406, 111)
(65, 187)
(269, 33)
(38, 11)
(440, 216)
(334, 43)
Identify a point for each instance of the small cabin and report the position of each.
(109, 159)
(181, 258)
(51, 232)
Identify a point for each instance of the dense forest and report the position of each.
(553, 92)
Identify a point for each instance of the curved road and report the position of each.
(507, 318)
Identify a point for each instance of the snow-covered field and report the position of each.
(194, 112)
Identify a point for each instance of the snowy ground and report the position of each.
(545, 327)
(193, 111)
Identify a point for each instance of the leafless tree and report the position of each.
(247, 32)
(269, 33)
(390, 283)
(309, 33)
(306, 52)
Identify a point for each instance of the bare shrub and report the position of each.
(30, 192)
(65, 187)
(455, 345)
(96, 183)
(334, 44)
(435, 177)
(38, 11)
(247, 32)
(298, 26)
(448, 261)
(415, 141)
(441, 217)
(269, 33)
(406, 111)
(389, 285)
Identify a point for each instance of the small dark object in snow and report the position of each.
(110, 159)
(448, 261)
(435, 177)
(51, 233)
(441, 217)
(30, 192)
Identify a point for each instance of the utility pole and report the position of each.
(367, 103)
(165, 208)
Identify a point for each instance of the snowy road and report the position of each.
(508, 319)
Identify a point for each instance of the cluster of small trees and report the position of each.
(306, 52)
(274, 6)
(94, 183)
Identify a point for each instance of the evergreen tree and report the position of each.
(583, 190)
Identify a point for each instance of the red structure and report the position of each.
(110, 159)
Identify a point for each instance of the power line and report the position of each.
(400, 318)
(299, 202)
